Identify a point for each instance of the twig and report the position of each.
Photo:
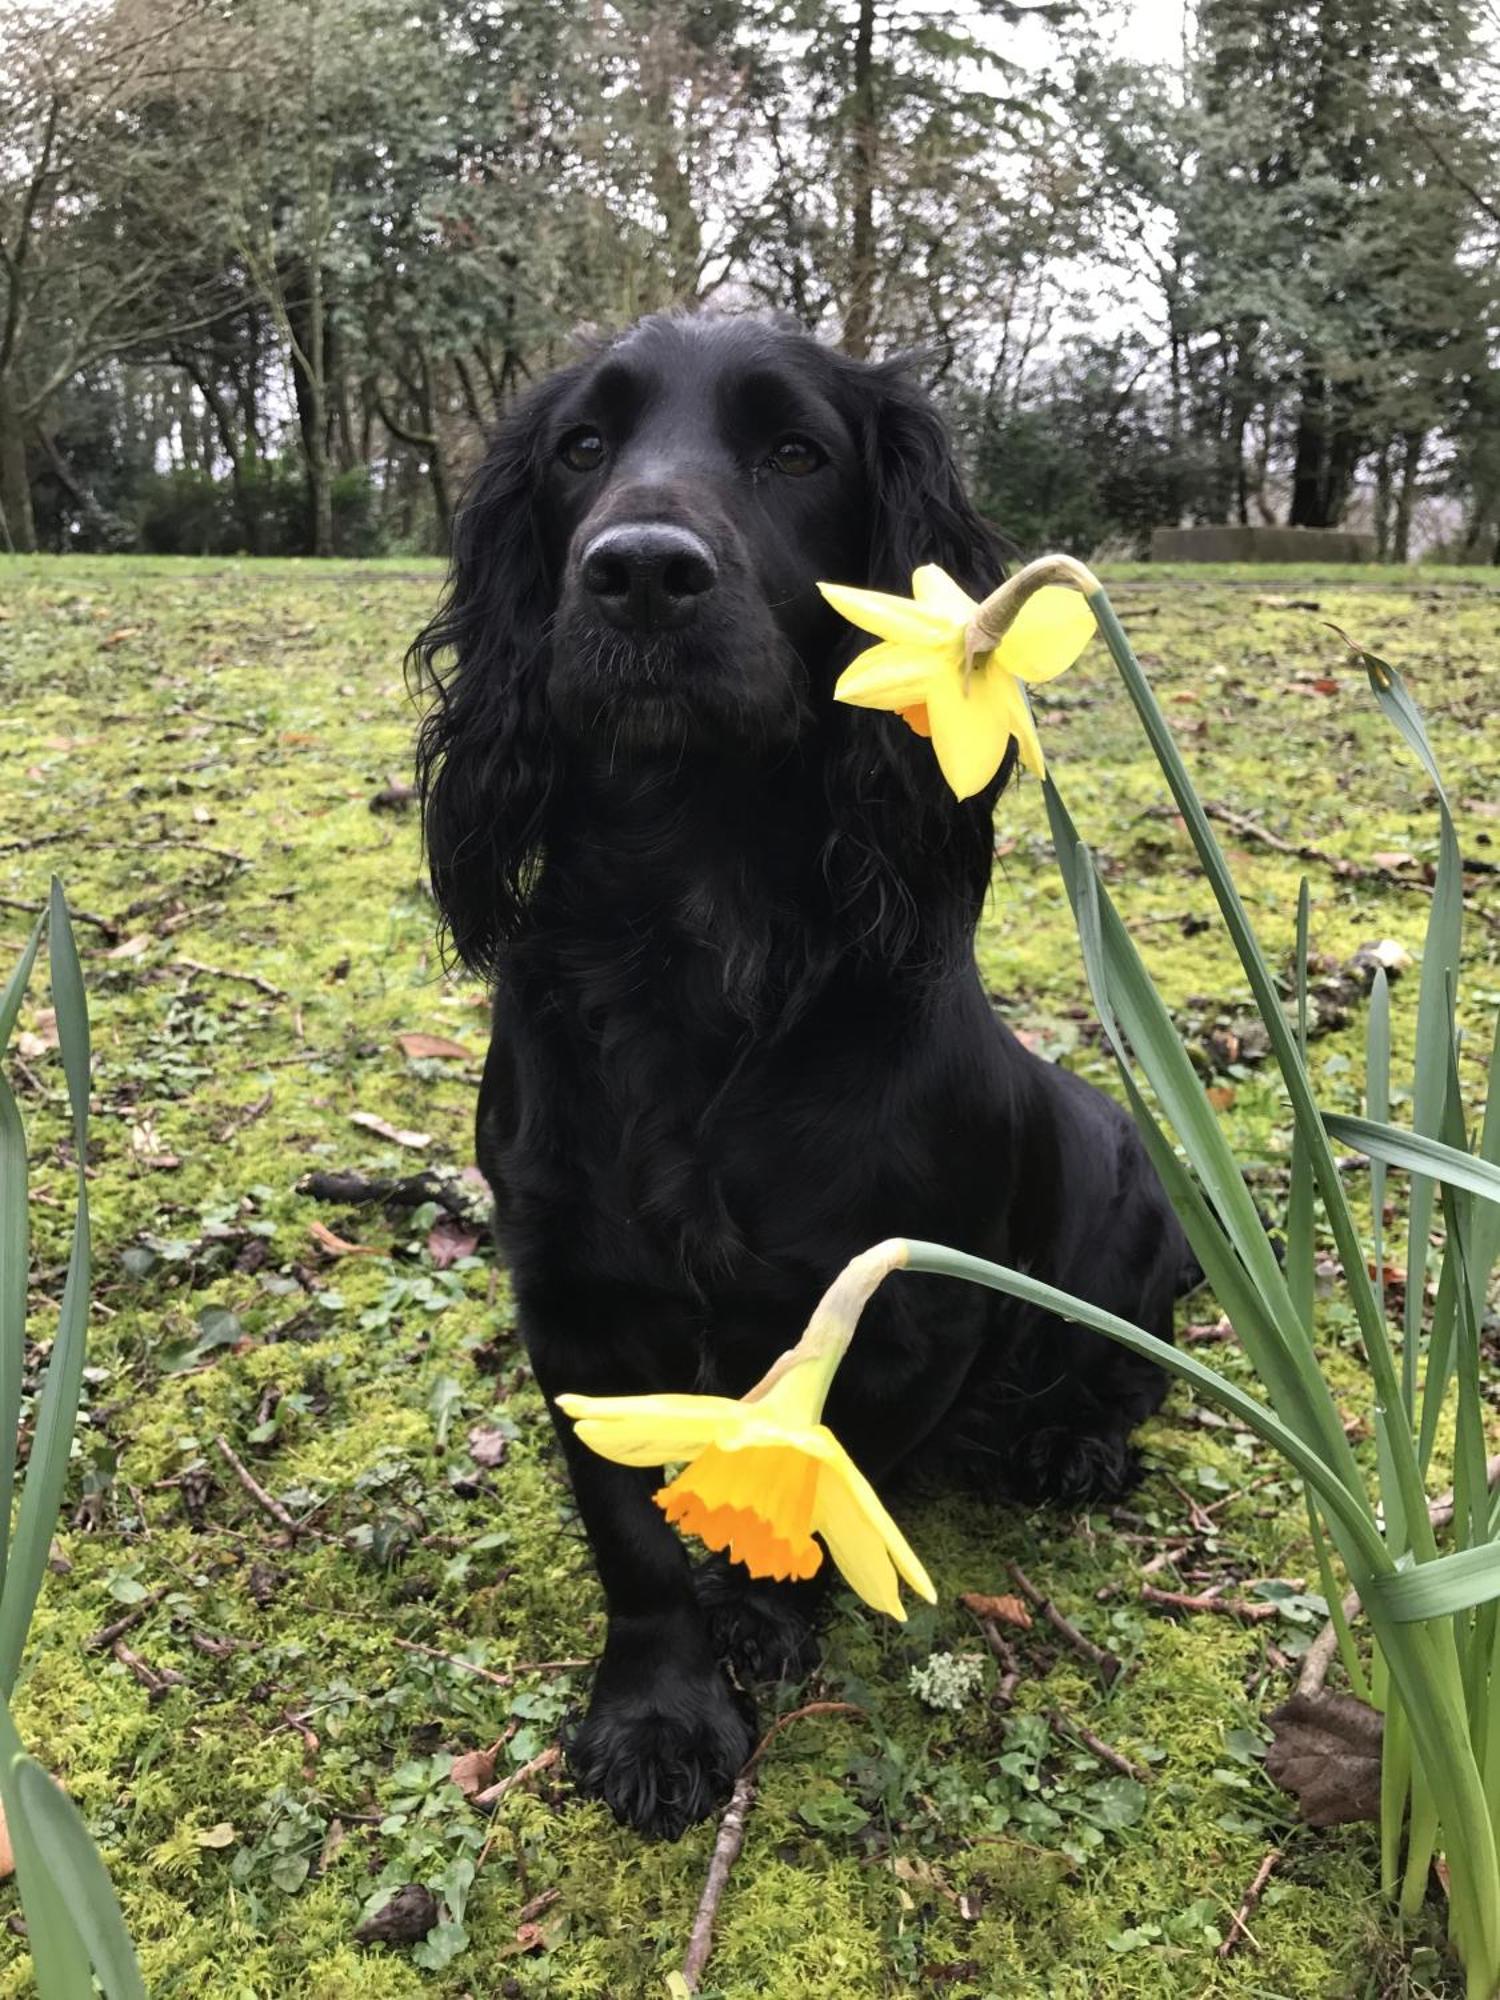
(118, 1627)
(796, 1715)
(726, 1852)
(1229, 1607)
(731, 1837)
(254, 1488)
(1067, 1725)
(1109, 1667)
(1240, 1928)
(226, 972)
(1005, 1653)
(503, 1680)
(157, 1681)
(106, 924)
(222, 721)
(490, 1797)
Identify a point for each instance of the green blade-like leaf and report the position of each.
(1339, 1502)
(1278, 1343)
(70, 1857)
(15, 986)
(1378, 1105)
(1294, 1073)
(59, 1956)
(15, 1252)
(1299, 1206)
(1439, 1588)
(1416, 1154)
(57, 1400)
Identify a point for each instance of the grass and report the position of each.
(197, 744)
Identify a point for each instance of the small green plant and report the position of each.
(1434, 1617)
(73, 1922)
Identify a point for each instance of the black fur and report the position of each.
(739, 1033)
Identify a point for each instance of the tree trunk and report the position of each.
(859, 318)
(1310, 466)
(1412, 443)
(1383, 503)
(308, 321)
(17, 524)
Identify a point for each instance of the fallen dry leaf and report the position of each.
(434, 1045)
(1004, 1610)
(1325, 1750)
(222, 1835)
(449, 1239)
(384, 1129)
(473, 1771)
(36, 1041)
(132, 947)
(487, 1446)
(1394, 858)
(410, 1914)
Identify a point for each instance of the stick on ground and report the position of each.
(1098, 1656)
(1240, 1928)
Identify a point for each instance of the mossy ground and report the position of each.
(194, 747)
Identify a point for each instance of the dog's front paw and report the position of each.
(1072, 1468)
(664, 1738)
(764, 1631)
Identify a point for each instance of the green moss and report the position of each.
(151, 712)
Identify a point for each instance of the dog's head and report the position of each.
(634, 580)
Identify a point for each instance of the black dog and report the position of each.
(739, 1033)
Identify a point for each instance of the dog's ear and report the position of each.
(485, 754)
(908, 863)
(921, 513)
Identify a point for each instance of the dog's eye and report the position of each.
(796, 457)
(582, 451)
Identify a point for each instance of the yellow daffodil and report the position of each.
(953, 668)
(765, 1474)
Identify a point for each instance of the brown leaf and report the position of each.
(409, 1915)
(336, 1246)
(448, 1240)
(488, 1446)
(1004, 1610)
(383, 1129)
(118, 638)
(132, 947)
(473, 1771)
(434, 1045)
(1325, 1749)
(1220, 1095)
(36, 1041)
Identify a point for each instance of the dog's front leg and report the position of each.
(665, 1734)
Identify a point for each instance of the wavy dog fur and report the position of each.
(739, 1033)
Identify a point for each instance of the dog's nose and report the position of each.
(648, 576)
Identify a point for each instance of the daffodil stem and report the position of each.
(999, 611)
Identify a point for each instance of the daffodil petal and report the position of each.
(935, 590)
(651, 1430)
(1008, 700)
(1051, 630)
(890, 676)
(896, 618)
(968, 735)
(862, 1496)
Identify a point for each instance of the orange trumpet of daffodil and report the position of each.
(765, 1474)
(954, 669)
